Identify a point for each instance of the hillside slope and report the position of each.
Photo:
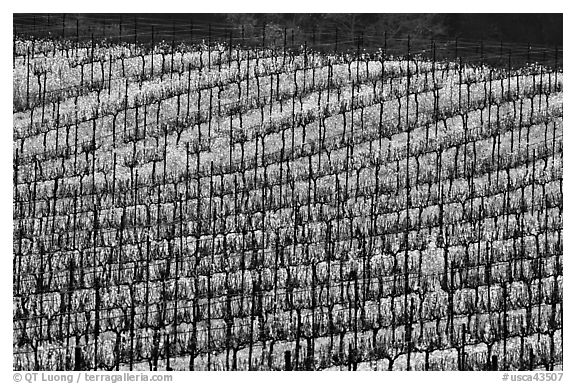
(225, 208)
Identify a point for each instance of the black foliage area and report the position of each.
(318, 28)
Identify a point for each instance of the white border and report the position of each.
(298, 6)
(231, 6)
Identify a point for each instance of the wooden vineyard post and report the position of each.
(172, 54)
(350, 357)
(287, 361)
(78, 356)
(70, 287)
(228, 318)
(43, 98)
(356, 300)
(198, 115)
(360, 41)
(211, 224)
(97, 298)
(407, 227)
(192, 345)
(504, 324)
(230, 44)
(298, 310)
(462, 352)
(17, 268)
(27, 61)
(252, 316)
(179, 260)
(494, 363)
(167, 349)
(451, 291)
(261, 261)
(310, 338)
